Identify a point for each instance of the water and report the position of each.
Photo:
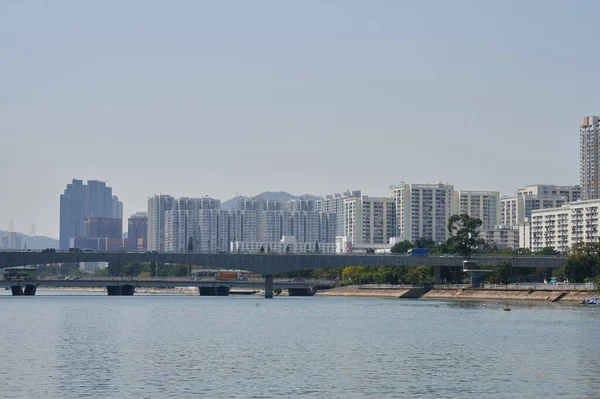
(178, 346)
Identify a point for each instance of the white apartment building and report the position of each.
(158, 205)
(515, 209)
(589, 157)
(501, 237)
(369, 220)
(422, 210)
(484, 205)
(335, 204)
(561, 228)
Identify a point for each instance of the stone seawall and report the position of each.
(467, 294)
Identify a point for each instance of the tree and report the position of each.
(262, 249)
(317, 250)
(502, 273)
(547, 251)
(191, 245)
(583, 262)
(401, 247)
(424, 242)
(418, 275)
(287, 249)
(464, 234)
(352, 272)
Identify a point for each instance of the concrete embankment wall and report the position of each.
(468, 294)
(363, 292)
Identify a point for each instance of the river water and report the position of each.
(183, 346)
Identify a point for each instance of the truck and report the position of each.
(417, 252)
(227, 275)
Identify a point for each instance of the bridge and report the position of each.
(271, 264)
(206, 287)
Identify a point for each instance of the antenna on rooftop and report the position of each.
(33, 230)
(11, 226)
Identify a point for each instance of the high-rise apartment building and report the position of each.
(422, 210)
(484, 205)
(515, 209)
(103, 227)
(589, 157)
(80, 201)
(137, 232)
(157, 207)
(369, 220)
(335, 204)
(561, 228)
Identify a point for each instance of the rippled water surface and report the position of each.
(152, 346)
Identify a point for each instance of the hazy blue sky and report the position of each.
(195, 98)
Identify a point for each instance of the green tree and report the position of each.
(262, 249)
(583, 262)
(547, 251)
(287, 249)
(401, 247)
(317, 250)
(352, 272)
(424, 242)
(419, 275)
(502, 273)
(190, 245)
(464, 234)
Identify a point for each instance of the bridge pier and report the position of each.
(437, 274)
(268, 286)
(219, 290)
(30, 289)
(302, 291)
(120, 290)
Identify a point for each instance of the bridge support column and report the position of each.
(219, 290)
(437, 274)
(268, 286)
(115, 290)
(301, 291)
(16, 290)
(30, 289)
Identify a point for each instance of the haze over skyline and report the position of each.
(213, 98)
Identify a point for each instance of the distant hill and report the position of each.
(36, 242)
(267, 195)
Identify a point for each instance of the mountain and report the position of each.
(267, 195)
(35, 242)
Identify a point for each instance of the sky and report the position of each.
(194, 98)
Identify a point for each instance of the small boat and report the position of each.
(507, 308)
(591, 301)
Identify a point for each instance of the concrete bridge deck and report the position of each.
(269, 264)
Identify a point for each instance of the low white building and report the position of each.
(344, 245)
(561, 228)
(288, 244)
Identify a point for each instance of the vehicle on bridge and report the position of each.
(417, 252)
(20, 273)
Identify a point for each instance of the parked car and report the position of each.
(88, 250)
(49, 250)
(75, 250)
(70, 278)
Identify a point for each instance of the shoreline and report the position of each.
(464, 294)
(475, 294)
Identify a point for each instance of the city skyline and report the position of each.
(126, 214)
(241, 97)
